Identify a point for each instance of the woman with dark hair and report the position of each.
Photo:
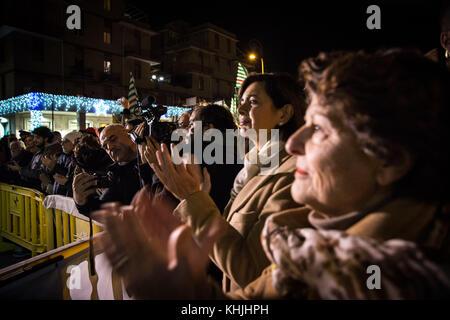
(213, 114)
(271, 107)
(222, 173)
(373, 174)
(286, 97)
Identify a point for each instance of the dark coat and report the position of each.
(30, 174)
(125, 181)
(65, 166)
(24, 158)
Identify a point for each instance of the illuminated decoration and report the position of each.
(242, 73)
(45, 102)
(36, 119)
(37, 101)
(101, 108)
(173, 111)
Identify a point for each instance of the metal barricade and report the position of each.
(25, 221)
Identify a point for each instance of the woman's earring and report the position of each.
(447, 54)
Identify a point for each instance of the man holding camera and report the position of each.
(123, 177)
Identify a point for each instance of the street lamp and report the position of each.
(252, 57)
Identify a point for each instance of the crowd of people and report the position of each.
(362, 180)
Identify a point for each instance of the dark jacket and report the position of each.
(125, 182)
(13, 177)
(65, 166)
(30, 174)
(222, 176)
(24, 158)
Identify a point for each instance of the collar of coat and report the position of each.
(286, 166)
(403, 218)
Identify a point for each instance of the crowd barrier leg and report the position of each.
(49, 229)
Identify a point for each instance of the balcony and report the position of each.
(135, 52)
(194, 67)
(178, 43)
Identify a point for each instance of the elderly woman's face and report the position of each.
(334, 176)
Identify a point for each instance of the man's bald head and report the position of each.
(117, 143)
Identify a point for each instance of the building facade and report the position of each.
(201, 60)
(39, 52)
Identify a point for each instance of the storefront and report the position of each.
(61, 113)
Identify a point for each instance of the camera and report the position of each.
(103, 182)
(160, 131)
(91, 158)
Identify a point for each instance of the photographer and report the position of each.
(122, 179)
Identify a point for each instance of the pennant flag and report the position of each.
(242, 73)
(133, 97)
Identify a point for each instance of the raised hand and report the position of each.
(170, 265)
(83, 186)
(180, 181)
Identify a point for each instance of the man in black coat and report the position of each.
(123, 179)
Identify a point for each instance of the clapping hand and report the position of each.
(14, 166)
(60, 179)
(183, 179)
(147, 150)
(156, 256)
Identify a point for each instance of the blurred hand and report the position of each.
(60, 178)
(49, 163)
(181, 180)
(150, 149)
(139, 130)
(14, 166)
(167, 265)
(203, 176)
(44, 179)
(83, 186)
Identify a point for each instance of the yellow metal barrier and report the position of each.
(25, 221)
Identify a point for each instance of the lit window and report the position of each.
(107, 5)
(107, 37)
(107, 66)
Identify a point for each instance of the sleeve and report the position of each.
(242, 259)
(91, 205)
(260, 289)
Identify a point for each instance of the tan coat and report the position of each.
(401, 219)
(239, 253)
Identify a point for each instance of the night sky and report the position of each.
(290, 31)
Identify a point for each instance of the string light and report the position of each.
(36, 119)
(101, 108)
(39, 101)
